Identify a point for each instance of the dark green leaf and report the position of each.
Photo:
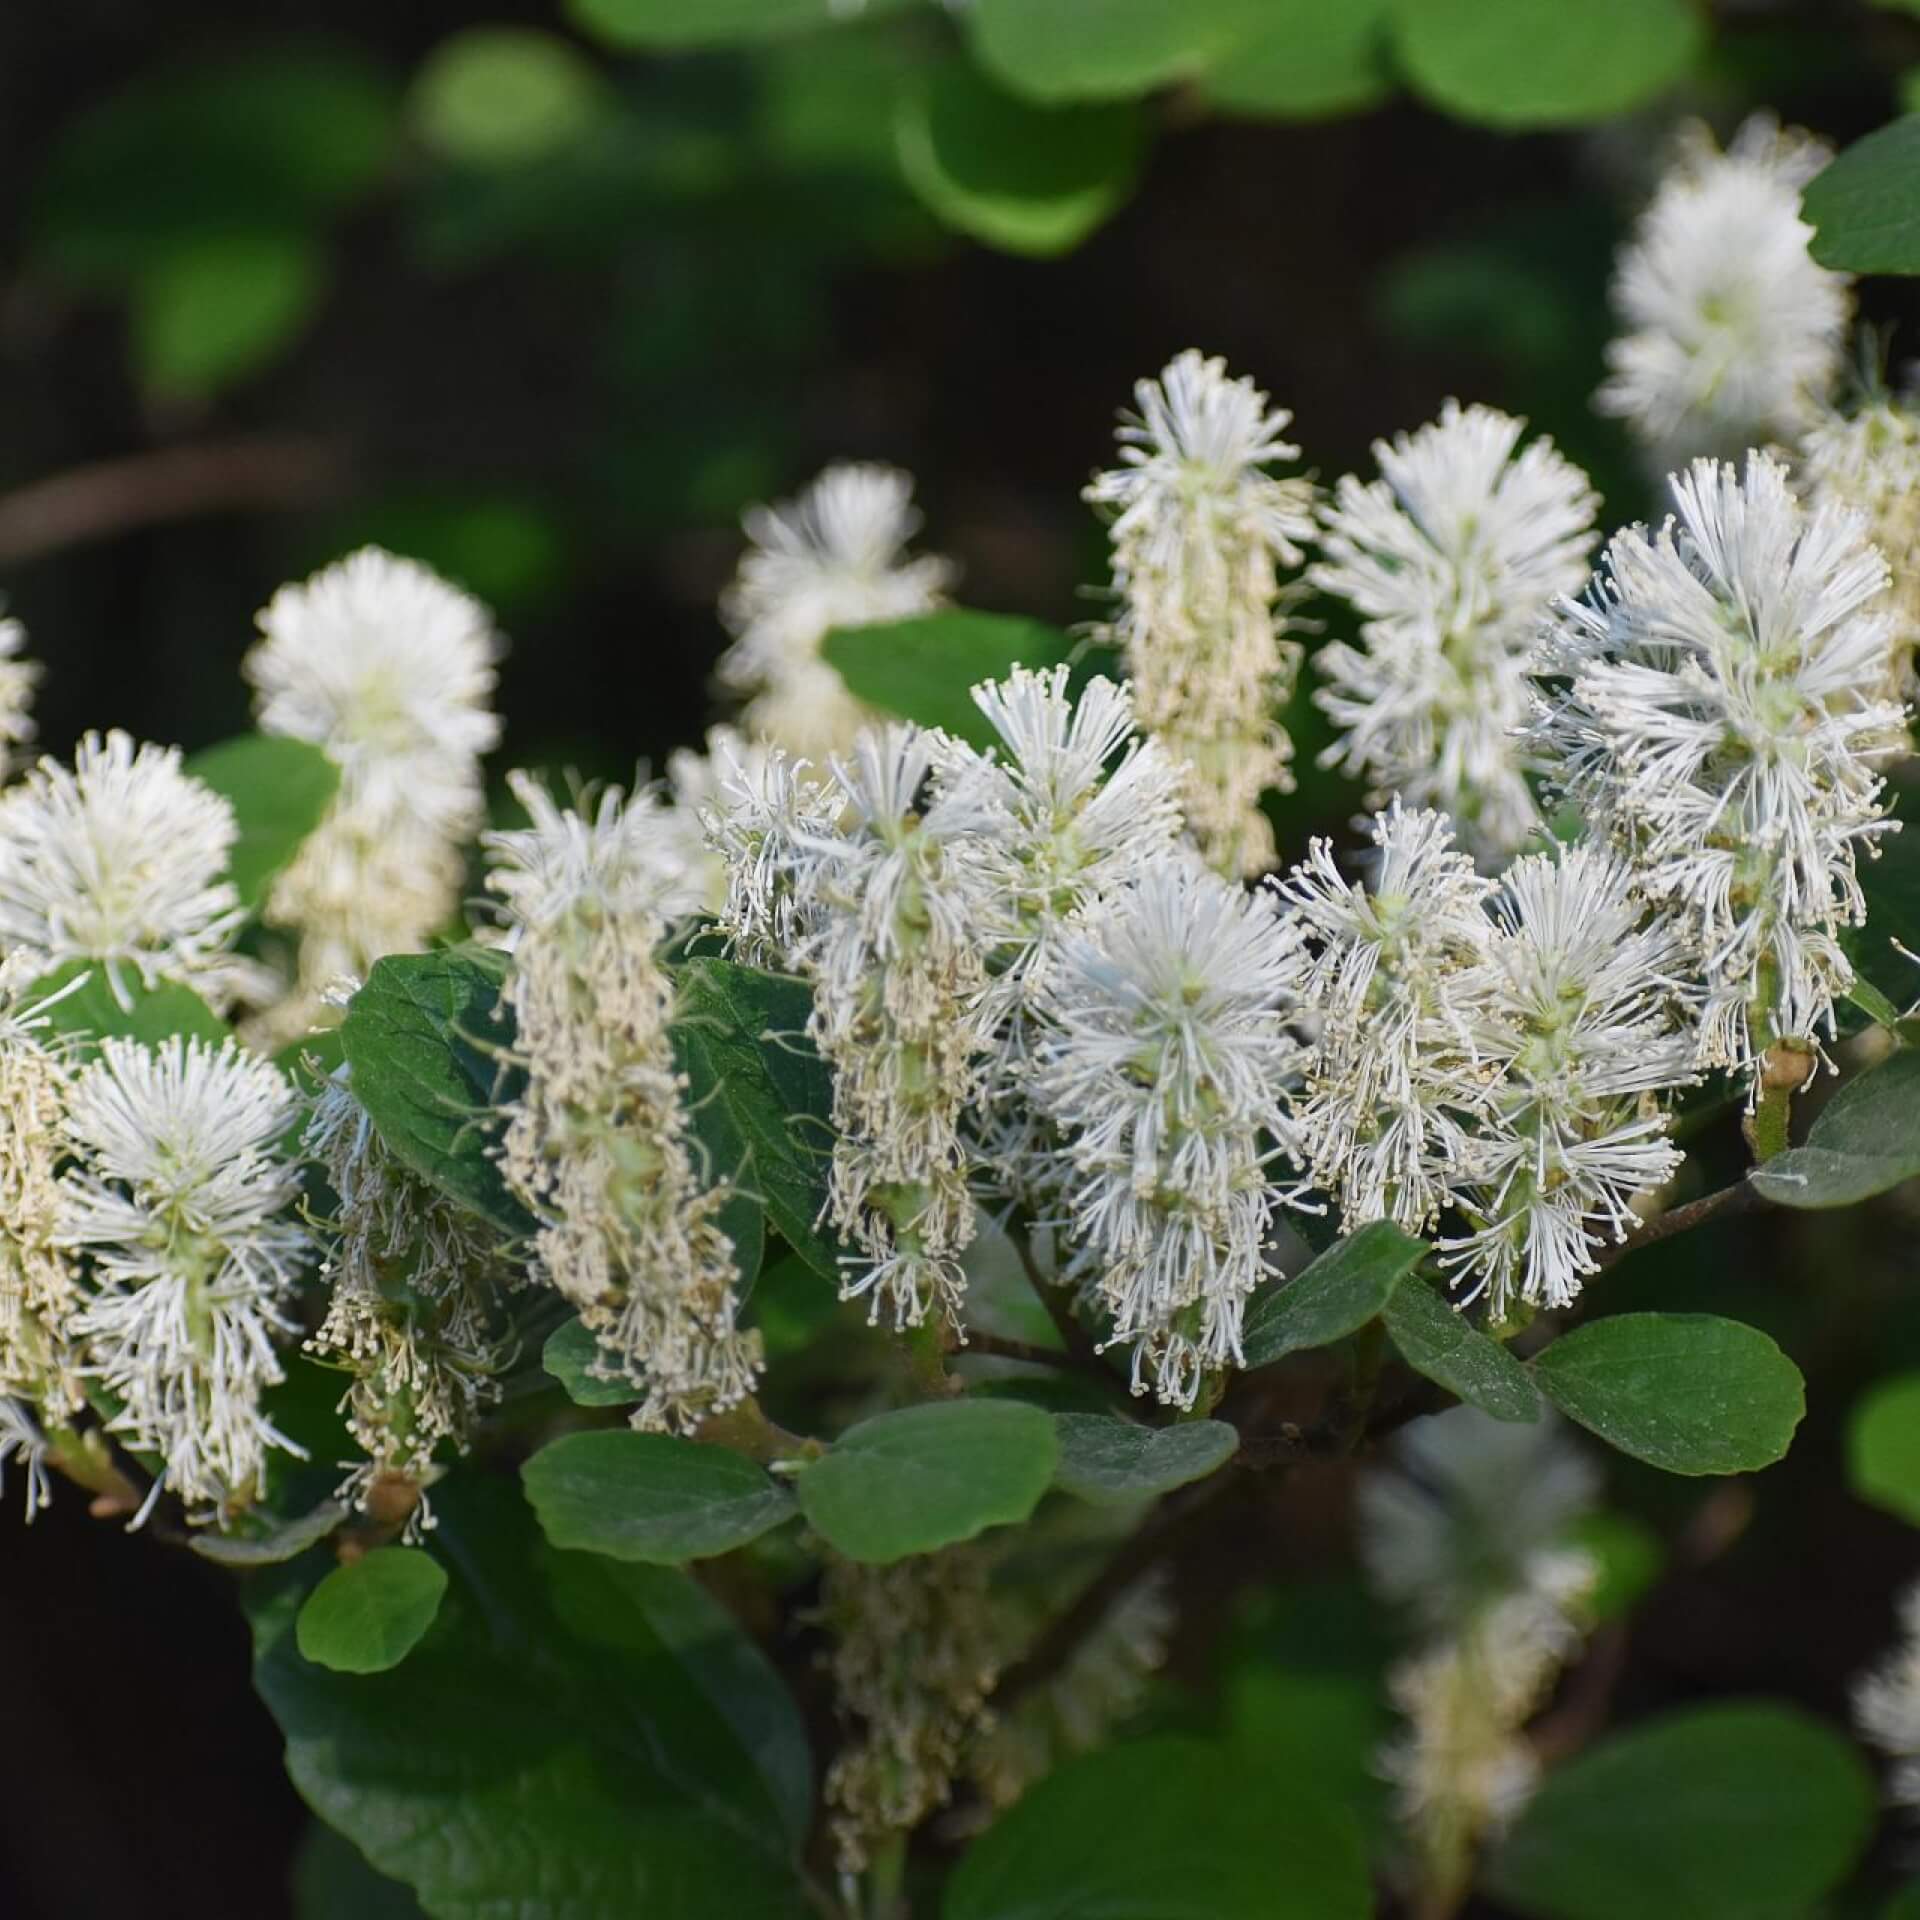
(1865, 207)
(1436, 1340)
(1515, 63)
(760, 1095)
(570, 1354)
(577, 1738)
(1163, 1829)
(218, 310)
(651, 1496)
(280, 791)
(1865, 1140)
(709, 23)
(425, 1039)
(909, 1482)
(500, 96)
(1106, 49)
(926, 669)
(1883, 1446)
(1720, 1813)
(1309, 59)
(368, 1615)
(1905, 1905)
(1029, 179)
(332, 1881)
(1105, 1459)
(1339, 1292)
(269, 1549)
(1687, 1392)
(149, 1014)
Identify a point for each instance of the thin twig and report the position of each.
(1080, 1346)
(1740, 1197)
(992, 1345)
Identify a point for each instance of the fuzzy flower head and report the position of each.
(834, 557)
(1580, 1010)
(120, 859)
(1719, 722)
(1393, 1079)
(1162, 1065)
(390, 671)
(599, 1146)
(1199, 532)
(1732, 334)
(1451, 558)
(767, 821)
(18, 678)
(1869, 461)
(182, 1203)
(1886, 1706)
(22, 1441)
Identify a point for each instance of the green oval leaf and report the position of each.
(1865, 1140)
(1865, 206)
(651, 1496)
(1688, 1392)
(928, 1476)
(1340, 1292)
(1309, 60)
(217, 310)
(570, 1354)
(368, 1615)
(1883, 1446)
(1107, 1460)
(1516, 63)
(925, 669)
(1106, 49)
(280, 791)
(710, 23)
(497, 96)
(1029, 179)
(1438, 1341)
(1163, 1829)
(426, 1039)
(1723, 1813)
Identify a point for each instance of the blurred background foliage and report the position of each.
(545, 296)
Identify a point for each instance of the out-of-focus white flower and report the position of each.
(834, 557)
(697, 787)
(182, 1202)
(1886, 1706)
(1452, 558)
(390, 670)
(414, 1314)
(898, 972)
(1162, 1062)
(1869, 461)
(1199, 531)
(1578, 1011)
(120, 859)
(1733, 334)
(599, 1145)
(1394, 1079)
(1720, 721)
(18, 678)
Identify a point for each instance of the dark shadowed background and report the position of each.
(257, 304)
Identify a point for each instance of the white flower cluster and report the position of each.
(180, 1198)
(599, 1145)
(1451, 558)
(1734, 335)
(834, 557)
(18, 678)
(388, 669)
(1886, 1706)
(1199, 532)
(1468, 1531)
(1719, 720)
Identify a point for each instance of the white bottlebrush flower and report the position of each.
(414, 1316)
(1720, 722)
(1393, 1080)
(1162, 1065)
(1886, 1706)
(1869, 461)
(120, 859)
(389, 670)
(21, 1440)
(18, 678)
(834, 557)
(697, 784)
(599, 1146)
(182, 1202)
(1732, 334)
(898, 976)
(1580, 1014)
(766, 821)
(1451, 558)
(1199, 532)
